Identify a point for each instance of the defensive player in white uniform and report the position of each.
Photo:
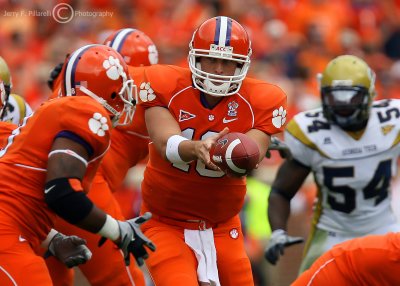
(16, 108)
(351, 146)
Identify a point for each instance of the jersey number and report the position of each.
(201, 168)
(377, 188)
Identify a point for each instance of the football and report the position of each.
(236, 154)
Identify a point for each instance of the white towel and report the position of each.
(202, 243)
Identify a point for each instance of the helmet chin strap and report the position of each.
(104, 103)
(212, 88)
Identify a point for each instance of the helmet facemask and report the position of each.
(213, 84)
(125, 116)
(346, 106)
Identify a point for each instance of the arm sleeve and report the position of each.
(270, 111)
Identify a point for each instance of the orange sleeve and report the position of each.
(270, 110)
(87, 119)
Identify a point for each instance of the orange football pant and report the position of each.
(174, 263)
(19, 265)
(107, 266)
(370, 260)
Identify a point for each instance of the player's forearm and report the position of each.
(94, 221)
(278, 211)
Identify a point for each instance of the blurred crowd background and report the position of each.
(292, 41)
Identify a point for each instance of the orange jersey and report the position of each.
(191, 191)
(23, 161)
(129, 145)
(5, 130)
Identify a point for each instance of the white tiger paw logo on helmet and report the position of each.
(98, 124)
(146, 93)
(114, 68)
(153, 54)
(279, 117)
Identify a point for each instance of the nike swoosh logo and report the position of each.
(21, 239)
(229, 120)
(49, 189)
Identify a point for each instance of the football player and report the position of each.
(49, 162)
(195, 205)
(129, 145)
(69, 250)
(15, 108)
(350, 145)
(370, 260)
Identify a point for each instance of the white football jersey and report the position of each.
(353, 176)
(17, 108)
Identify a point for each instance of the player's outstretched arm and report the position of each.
(165, 133)
(283, 190)
(65, 196)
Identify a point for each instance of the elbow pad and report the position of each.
(66, 198)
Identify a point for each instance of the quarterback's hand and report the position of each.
(277, 243)
(70, 250)
(204, 147)
(132, 239)
(280, 146)
(55, 72)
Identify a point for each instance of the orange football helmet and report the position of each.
(3, 98)
(98, 71)
(136, 47)
(222, 38)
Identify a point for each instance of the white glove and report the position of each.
(277, 243)
(70, 250)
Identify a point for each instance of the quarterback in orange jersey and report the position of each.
(370, 260)
(49, 162)
(195, 206)
(129, 145)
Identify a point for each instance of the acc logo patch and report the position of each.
(184, 115)
(279, 117)
(98, 124)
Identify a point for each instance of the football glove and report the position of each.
(70, 250)
(280, 146)
(132, 240)
(277, 243)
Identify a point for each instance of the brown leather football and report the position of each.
(236, 154)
